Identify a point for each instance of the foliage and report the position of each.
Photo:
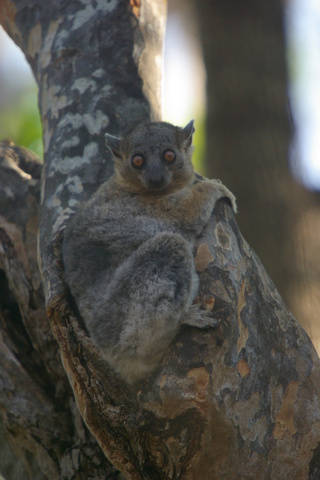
(20, 121)
(199, 141)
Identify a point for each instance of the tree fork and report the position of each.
(227, 403)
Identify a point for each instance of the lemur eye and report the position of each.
(169, 156)
(137, 161)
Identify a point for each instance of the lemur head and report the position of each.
(154, 158)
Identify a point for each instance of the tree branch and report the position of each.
(41, 432)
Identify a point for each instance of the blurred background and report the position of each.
(19, 115)
(249, 74)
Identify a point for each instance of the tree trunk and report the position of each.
(240, 401)
(248, 140)
(42, 435)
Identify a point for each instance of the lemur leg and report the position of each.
(157, 281)
(142, 309)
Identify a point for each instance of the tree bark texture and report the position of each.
(248, 141)
(42, 434)
(241, 401)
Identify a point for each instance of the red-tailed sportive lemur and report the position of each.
(127, 252)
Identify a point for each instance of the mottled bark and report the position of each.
(241, 401)
(248, 142)
(42, 435)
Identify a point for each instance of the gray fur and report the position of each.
(128, 251)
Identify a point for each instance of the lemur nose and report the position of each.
(156, 181)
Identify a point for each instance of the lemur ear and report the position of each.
(114, 144)
(187, 133)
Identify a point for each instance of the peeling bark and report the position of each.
(241, 401)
